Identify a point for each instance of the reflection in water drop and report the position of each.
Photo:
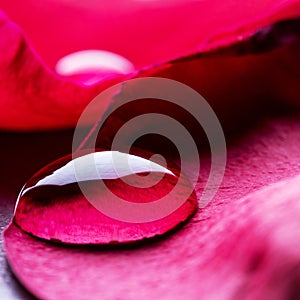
(62, 212)
(91, 66)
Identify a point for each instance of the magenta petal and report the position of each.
(239, 88)
(252, 252)
(145, 32)
(246, 246)
(32, 96)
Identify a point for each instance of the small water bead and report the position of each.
(59, 204)
(91, 66)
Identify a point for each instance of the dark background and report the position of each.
(22, 154)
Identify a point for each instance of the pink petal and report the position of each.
(34, 97)
(239, 88)
(269, 233)
(245, 246)
(145, 32)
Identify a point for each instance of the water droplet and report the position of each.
(91, 66)
(53, 205)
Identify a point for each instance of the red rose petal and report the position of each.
(33, 97)
(247, 247)
(239, 88)
(63, 213)
(273, 159)
(145, 32)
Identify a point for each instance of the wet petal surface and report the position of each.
(245, 242)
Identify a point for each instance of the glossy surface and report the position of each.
(239, 244)
(61, 211)
(92, 66)
(26, 77)
(209, 251)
